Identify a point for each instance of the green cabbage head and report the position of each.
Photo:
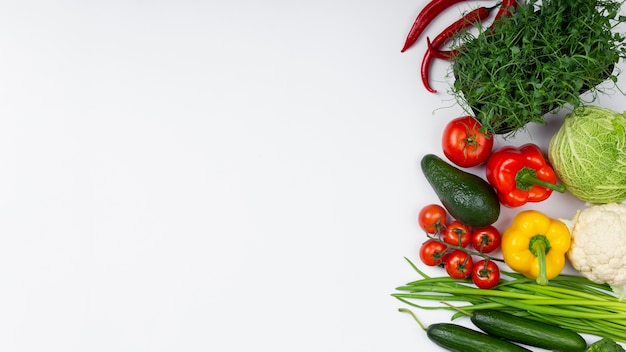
(588, 154)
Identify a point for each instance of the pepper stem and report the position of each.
(539, 246)
(526, 178)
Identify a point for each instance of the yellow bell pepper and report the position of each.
(535, 245)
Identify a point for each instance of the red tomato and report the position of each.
(486, 239)
(459, 264)
(457, 234)
(433, 253)
(464, 144)
(485, 276)
(432, 218)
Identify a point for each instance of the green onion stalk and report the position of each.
(569, 301)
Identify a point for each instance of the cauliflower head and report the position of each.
(598, 249)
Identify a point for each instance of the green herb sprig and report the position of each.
(537, 61)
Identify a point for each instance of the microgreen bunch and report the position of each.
(538, 60)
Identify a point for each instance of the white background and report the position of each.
(216, 176)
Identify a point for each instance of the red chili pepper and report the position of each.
(521, 175)
(428, 58)
(469, 19)
(472, 17)
(425, 17)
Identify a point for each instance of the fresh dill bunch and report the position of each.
(541, 58)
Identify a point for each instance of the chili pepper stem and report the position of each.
(539, 246)
(441, 54)
(528, 177)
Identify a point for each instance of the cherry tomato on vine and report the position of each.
(432, 218)
(457, 234)
(459, 264)
(485, 274)
(464, 144)
(486, 239)
(433, 253)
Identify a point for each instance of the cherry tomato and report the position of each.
(464, 144)
(432, 218)
(433, 253)
(459, 264)
(457, 234)
(485, 274)
(486, 239)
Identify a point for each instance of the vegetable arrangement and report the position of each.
(534, 58)
(535, 296)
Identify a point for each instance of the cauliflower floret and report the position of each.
(598, 249)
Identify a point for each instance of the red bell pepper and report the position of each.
(521, 174)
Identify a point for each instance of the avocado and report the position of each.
(467, 197)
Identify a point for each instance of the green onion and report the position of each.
(572, 302)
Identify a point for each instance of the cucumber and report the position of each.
(467, 197)
(457, 338)
(528, 331)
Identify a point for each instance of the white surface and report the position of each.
(214, 176)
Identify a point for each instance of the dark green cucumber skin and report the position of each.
(467, 197)
(457, 338)
(528, 332)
